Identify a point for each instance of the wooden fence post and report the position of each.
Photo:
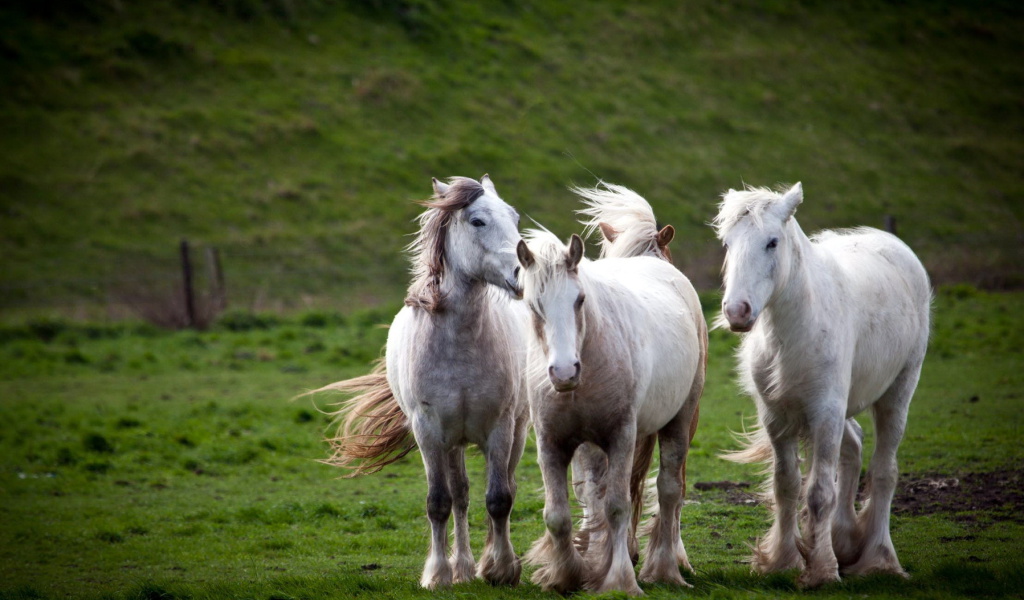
(890, 224)
(190, 299)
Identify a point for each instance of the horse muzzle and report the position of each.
(740, 316)
(565, 379)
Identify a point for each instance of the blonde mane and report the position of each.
(427, 251)
(626, 212)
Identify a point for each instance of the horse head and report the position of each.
(554, 294)
(755, 226)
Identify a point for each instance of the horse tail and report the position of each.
(643, 455)
(756, 447)
(372, 431)
(626, 221)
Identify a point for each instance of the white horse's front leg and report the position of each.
(560, 566)
(665, 552)
(826, 435)
(588, 471)
(437, 572)
(463, 566)
(610, 564)
(499, 563)
(778, 550)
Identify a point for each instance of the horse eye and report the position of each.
(579, 301)
(477, 223)
(773, 243)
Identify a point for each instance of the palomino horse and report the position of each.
(455, 374)
(617, 356)
(837, 323)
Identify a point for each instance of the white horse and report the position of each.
(454, 375)
(617, 357)
(837, 324)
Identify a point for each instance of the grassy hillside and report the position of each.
(294, 134)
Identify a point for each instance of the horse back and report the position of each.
(651, 315)
(888, 298)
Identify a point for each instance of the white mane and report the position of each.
(625, 211)
(736, 204)
(549, 253)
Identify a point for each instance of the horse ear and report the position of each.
(792, 198)
(608, 232)
(575, 252)
(440, 187)
(525, 256)
(488, 185)
(665, 235)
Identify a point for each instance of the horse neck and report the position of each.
(463, 297)
(792, 304)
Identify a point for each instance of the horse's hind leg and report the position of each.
(845, 540)
(499, 563)
(463, 567)
(437, 572)
(890, 416)
(665, 552)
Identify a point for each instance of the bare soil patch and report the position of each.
(996, 496)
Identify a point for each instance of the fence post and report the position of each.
(890, 224)
(220, 298)
(190, 299)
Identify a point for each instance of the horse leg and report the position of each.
(499, 563)
(437, 571)
(665, 552)
(610, 564)
(588, 470)
(461, 560)
(561, 567)
(890, 417)
(778, 550)
(845, 541)
(822, 497)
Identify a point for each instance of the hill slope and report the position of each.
(294, 134)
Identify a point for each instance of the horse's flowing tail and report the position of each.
(756, 447)
(373, 432)
(625, 219)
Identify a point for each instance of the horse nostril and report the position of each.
(577, 366)
(515, 273)
(551, 371)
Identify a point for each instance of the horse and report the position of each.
(453, 374)
(616, 360)
(834, 325)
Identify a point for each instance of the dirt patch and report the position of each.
(736, 492)
(997, 496)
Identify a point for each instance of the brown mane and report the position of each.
(428, 249)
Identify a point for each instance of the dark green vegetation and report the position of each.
(294, 134)
(136, 463)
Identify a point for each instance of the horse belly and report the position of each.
(675, 362)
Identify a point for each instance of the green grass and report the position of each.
(294, 135)
(181, 469)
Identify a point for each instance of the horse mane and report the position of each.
(736, 204)
(549, 255)
(625, 211)
(427, 251)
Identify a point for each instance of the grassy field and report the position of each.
(294, 134)
(136, 463)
